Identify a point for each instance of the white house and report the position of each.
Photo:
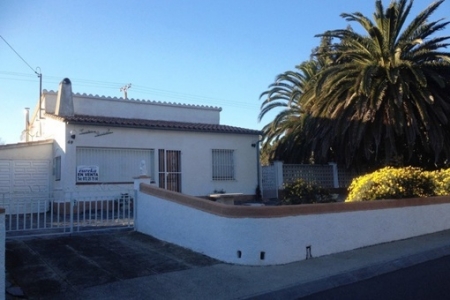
(89, 141)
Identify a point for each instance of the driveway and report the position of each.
(46, 266)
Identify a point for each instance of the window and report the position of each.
(57, 168)
(169, 169)
(222, 164)
(114, 165)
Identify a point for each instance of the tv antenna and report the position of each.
(124, 89)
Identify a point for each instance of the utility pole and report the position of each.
(124, 89)
(39, 75)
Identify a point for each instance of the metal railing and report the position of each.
(75, 212)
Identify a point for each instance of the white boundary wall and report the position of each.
(270, 240)
(2, 254)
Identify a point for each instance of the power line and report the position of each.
(19, 56)
(143, 90)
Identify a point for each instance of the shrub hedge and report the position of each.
(386, 183)
(441, 180)
(396, 183)
(301, 192)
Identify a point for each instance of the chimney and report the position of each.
(64, 100)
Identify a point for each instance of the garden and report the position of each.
(385, 183)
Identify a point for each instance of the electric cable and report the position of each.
(19, 56)
(143, 90)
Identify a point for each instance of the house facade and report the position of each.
(91, 141)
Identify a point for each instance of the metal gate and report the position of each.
(81, 211)
(270, 183)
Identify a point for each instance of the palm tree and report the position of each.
(291, 91)
(384, 98)
(288, 93)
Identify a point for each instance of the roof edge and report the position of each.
(154, 124)
(142, 101)
(26, 144)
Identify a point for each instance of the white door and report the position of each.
(24, 185)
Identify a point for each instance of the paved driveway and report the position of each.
(46, 266)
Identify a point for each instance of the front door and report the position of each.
(169, 169)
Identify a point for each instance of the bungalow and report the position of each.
(85, 141)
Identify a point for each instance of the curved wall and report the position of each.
(278, 235)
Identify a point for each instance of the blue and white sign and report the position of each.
(87, 174)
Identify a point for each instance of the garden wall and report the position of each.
(282, 234)
(2, 253)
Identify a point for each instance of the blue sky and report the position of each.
(208, 52)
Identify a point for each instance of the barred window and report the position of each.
(115, 165)
(223, 164)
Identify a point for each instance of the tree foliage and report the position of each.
(374, 99)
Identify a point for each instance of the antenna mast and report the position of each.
(124, 89)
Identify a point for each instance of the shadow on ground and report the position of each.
(47, 266)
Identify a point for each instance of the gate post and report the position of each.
(279, 178)
(2, 253)
(137, 181)
(71, 204)
(335, 175)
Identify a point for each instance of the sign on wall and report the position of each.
(87, 173)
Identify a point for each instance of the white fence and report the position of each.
(24, 202)
(327, 176)
(322, 175)
(73, 211)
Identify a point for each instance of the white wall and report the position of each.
(137, 109)
(33, 150)
(2, 255)
(53, 129)
(196, 155)
(282, 239)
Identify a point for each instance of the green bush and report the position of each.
(301, 192)
(392, 183)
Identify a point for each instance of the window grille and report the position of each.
(169, 162)
(223, 164)
(116, 165)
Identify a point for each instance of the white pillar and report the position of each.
(279, 173)
(140, 179)
(335, 175)
(137, 181)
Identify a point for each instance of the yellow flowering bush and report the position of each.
(441, 179)
(392, 183)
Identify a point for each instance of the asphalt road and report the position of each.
(429, 280)
(53, 265)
